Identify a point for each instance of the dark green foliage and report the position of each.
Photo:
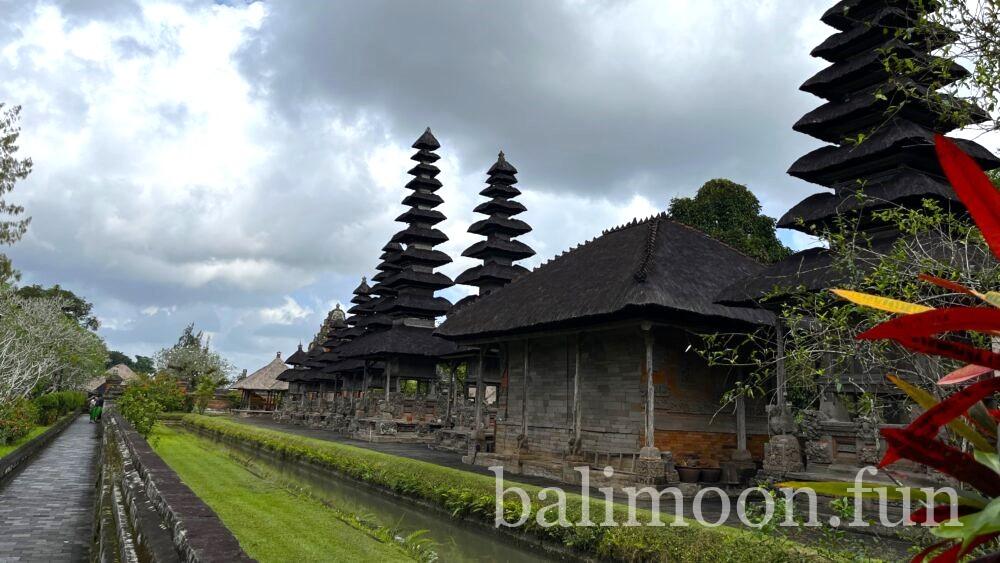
(143, 364)
(75, 307)
(140, 405)
(17, 418)
(51, 406)
(729, 212)
(115, 357)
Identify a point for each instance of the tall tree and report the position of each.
(191, 360)
(75, 307)
(115, 357)
(144, 364)
(12, 169)
(731, 213)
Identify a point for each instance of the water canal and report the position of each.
(454, 540)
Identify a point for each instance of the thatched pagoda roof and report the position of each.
(651, 269)
(398, 340)
(266, 378)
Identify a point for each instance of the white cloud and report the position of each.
(288, 313)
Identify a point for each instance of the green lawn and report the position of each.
(270, 522)
(4, 450)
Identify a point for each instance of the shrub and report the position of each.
(51, 406)
(17, 418)
(170, 393)
(141, 404)
(469, 495)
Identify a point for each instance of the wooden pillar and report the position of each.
(647, 334)
(741, 424)
(779, 368)
(479, 392)
(451, 391)
(577, 410)
(388, 378)
(524, 392)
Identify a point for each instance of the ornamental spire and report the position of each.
(881, 122)
(409, 274)
(499, 251)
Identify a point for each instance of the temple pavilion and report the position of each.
(597, 366)
(262, 390)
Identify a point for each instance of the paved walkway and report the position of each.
(47, 509)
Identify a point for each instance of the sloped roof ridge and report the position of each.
(704, 234)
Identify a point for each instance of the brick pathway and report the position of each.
(47, 509)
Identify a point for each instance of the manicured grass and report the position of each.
(270, 522)
(4, 450)
(471, 495)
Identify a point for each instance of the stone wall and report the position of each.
(145, 512)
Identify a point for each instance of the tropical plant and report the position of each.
(16, 419)
(949, 332)
(141, 404)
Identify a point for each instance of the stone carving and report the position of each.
(819, 445)
(782, 454)
(780, 420)
(385, 428)
(867, 444)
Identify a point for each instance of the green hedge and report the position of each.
(52, 406)
(466, 494)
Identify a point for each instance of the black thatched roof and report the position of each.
(654, 268)
(899, 188)
(297, 358)
(814, 269)
(808, 269)
(398, 340)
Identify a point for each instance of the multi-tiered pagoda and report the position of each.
(360, 300)
(414, 280)
(399, 328)
(882, 126)
(499, 251)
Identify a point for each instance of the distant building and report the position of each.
(112, 381)
(262, 390)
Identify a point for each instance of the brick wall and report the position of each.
(708, 447)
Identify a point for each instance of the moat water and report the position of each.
(454, 540)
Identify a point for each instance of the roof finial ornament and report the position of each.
(279, 354)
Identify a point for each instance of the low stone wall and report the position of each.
(17, 458)
(144, 511)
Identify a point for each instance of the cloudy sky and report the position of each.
(239, 165)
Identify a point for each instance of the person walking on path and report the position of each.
(92, 405)
(100, 406)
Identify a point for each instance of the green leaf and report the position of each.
(986, 521)
(988, 459)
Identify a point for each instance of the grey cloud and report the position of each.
(578, 115)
